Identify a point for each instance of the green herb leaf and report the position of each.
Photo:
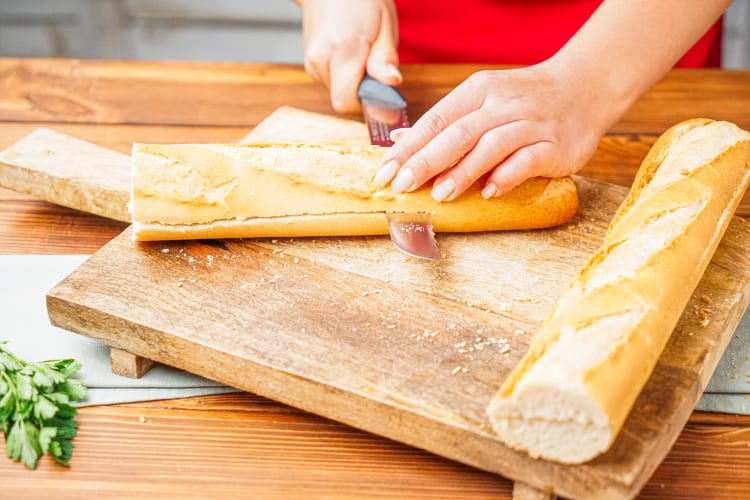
(45, 437)
(74, 389)
(31, 451)
(35, 415)
(68, 367)
(25, 387)
(44, 408)
(45, 376)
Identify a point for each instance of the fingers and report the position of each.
(507, 125)
(382, 62)
(346, 68)
(463, 100)
(343, 39)
(396, 134)
(448, 147)
(520, 166)
(513, 152)
(491, 151)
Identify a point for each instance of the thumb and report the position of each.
(382, 62)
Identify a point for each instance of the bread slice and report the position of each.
(570, 394)
(189, 191)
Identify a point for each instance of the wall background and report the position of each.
(218, 30)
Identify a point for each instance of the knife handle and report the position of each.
(375, 92)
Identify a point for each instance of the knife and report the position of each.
(384, 110)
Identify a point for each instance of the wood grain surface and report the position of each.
(220, 94)
(350, 329)
(275, 449)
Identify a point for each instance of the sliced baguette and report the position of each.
(570, 394)
(248, 190)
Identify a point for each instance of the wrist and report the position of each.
(605, 90)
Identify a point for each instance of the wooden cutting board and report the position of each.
(351, 329)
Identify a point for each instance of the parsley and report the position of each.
(35, 413)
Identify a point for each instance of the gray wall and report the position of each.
(218, 30)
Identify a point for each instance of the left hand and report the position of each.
(513, 124)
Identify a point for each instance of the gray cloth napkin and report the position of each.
(728, 391)
(25, 325)
(27, 278)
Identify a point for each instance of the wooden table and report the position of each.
(241, 445)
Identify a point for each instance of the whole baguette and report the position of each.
(189, 191)
(570, 394)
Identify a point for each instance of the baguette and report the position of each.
(273, 190)
(570, 394)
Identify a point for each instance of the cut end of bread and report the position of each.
(570, 395)
(553, 424)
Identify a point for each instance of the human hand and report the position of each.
(511, 124)
(345, 38)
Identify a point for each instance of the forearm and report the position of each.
(628, 45)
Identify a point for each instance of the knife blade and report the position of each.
(384, 110)
(411, 232)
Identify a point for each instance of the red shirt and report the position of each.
(508, 31)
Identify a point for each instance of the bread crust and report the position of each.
(256, 190)
(570, 394)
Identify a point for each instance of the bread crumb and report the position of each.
(706, 299)
(456, 370)
(165, 250)
(518, 331)
(391, 327)
(141, 419)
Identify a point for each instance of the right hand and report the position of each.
(345, 38)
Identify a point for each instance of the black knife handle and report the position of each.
(380, 94)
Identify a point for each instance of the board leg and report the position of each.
(128, 364)
(523, 491)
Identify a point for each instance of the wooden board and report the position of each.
(350, 329)
(67, 171)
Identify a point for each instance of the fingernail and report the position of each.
(443, 190)
(403, 181)
(394, 72)
(489, 191)
(396, 133)
(386, 173)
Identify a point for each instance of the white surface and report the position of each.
(26, 280)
